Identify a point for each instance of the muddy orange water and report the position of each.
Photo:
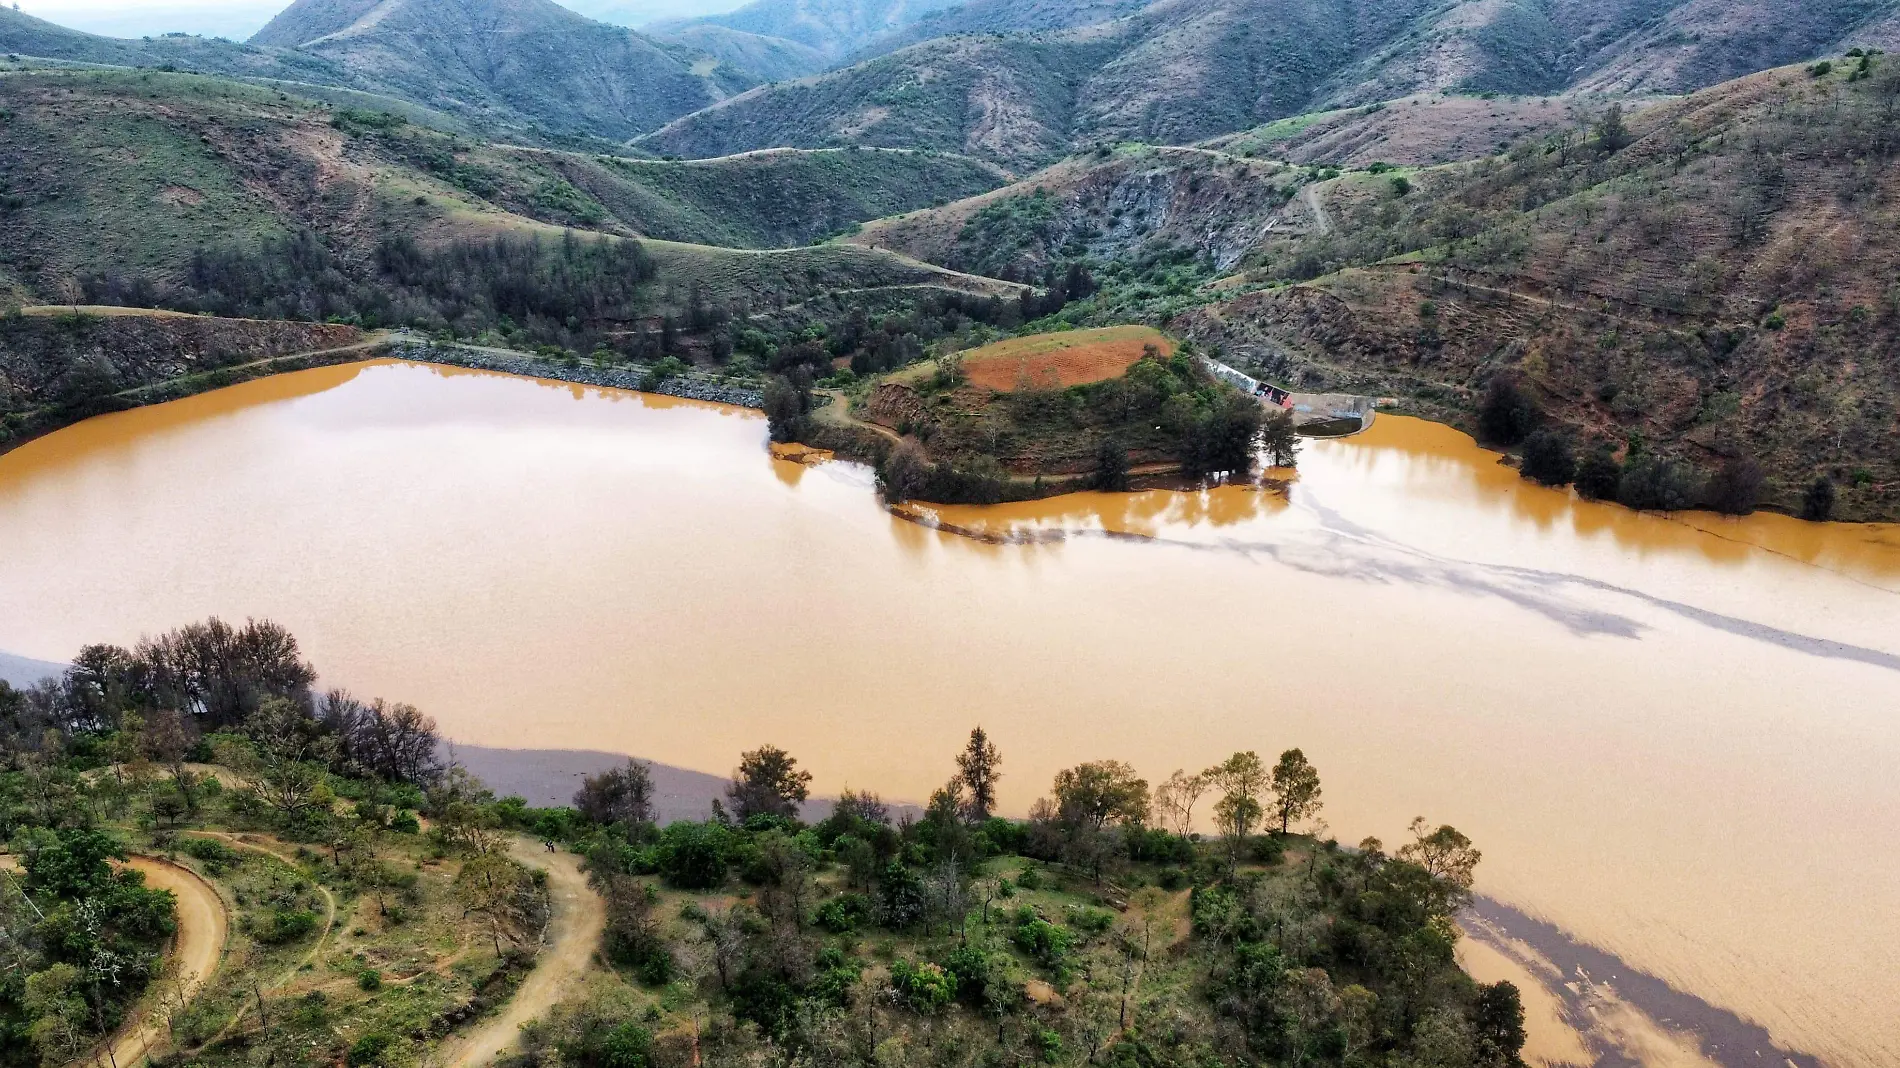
(1676, 740)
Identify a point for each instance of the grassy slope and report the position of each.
(760, 200)
(134, 170)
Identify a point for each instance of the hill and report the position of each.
(133, 171)
(774, 59)
(22, 35)
(1180, 71)
(999, 16)
(831, 27)
(1712, 283)
(1223, 199)
(1011, 100)
(531, 61)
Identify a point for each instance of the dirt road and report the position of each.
(196, 951)
(579, 918)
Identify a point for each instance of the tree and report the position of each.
(976, 768)
(1111, 466)
(1612, 133)
(784, 408)
(1736, 487)
(1295, 789)
(1175, 799)
(905, 474)
(1817, 505)
(1444, 853)
(768, 783)
(1497, 1026)
(1280, 440)
(1549, 459)
(1243, 781)
(1099, 793)
(1507, 414)
(490, 884)
(1598, 474)
(620, 796)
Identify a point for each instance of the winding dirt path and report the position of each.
(197, 949)
(573, 935)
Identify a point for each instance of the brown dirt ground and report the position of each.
(1054, 361)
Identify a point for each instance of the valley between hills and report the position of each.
(1012, 295)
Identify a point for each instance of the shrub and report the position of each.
(1653, 483)
(694, 856)
(1599, 473)
(627, 1046)
(216, 855)
(1047, 943)
(369, 979)
(1817, 504)
(844, 913)
(1736, 487)
(1030, 879)
(1092, 920)
(1549, 458)
(368, 1049)
(927, 988)
(284, 925)
(1822, 69)
(1401, 185)
(1508, 414)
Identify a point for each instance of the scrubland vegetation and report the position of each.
(1104, 929)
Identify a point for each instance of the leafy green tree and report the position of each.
(1497, 1026)
(694, 856)
(620, 796)
(1243, 781)
(1100, 793)
(1443, 852)
(1296, 789)
(768, 783)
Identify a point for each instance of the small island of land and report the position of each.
(1036, 415)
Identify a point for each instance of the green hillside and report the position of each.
(134, 171)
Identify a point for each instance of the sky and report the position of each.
(238, 19)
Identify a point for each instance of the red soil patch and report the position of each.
(1053, 361)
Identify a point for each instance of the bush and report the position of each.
(369, 979)
(694, 856)
(1030, 879)
(627, 1046)
(1549, 458)
(1652, 483)
(1092, 920)
(927, 988)
(844, 913)
(285, 926)
(1508, 414)
(368, 1050)
(1599, 473)
(1047, 943)
(1817, 504)
(216, 855)
(1736, 487)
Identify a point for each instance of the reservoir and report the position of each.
(1674, 738)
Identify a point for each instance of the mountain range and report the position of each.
(1019, 82)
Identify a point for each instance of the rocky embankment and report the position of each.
(687, 386)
